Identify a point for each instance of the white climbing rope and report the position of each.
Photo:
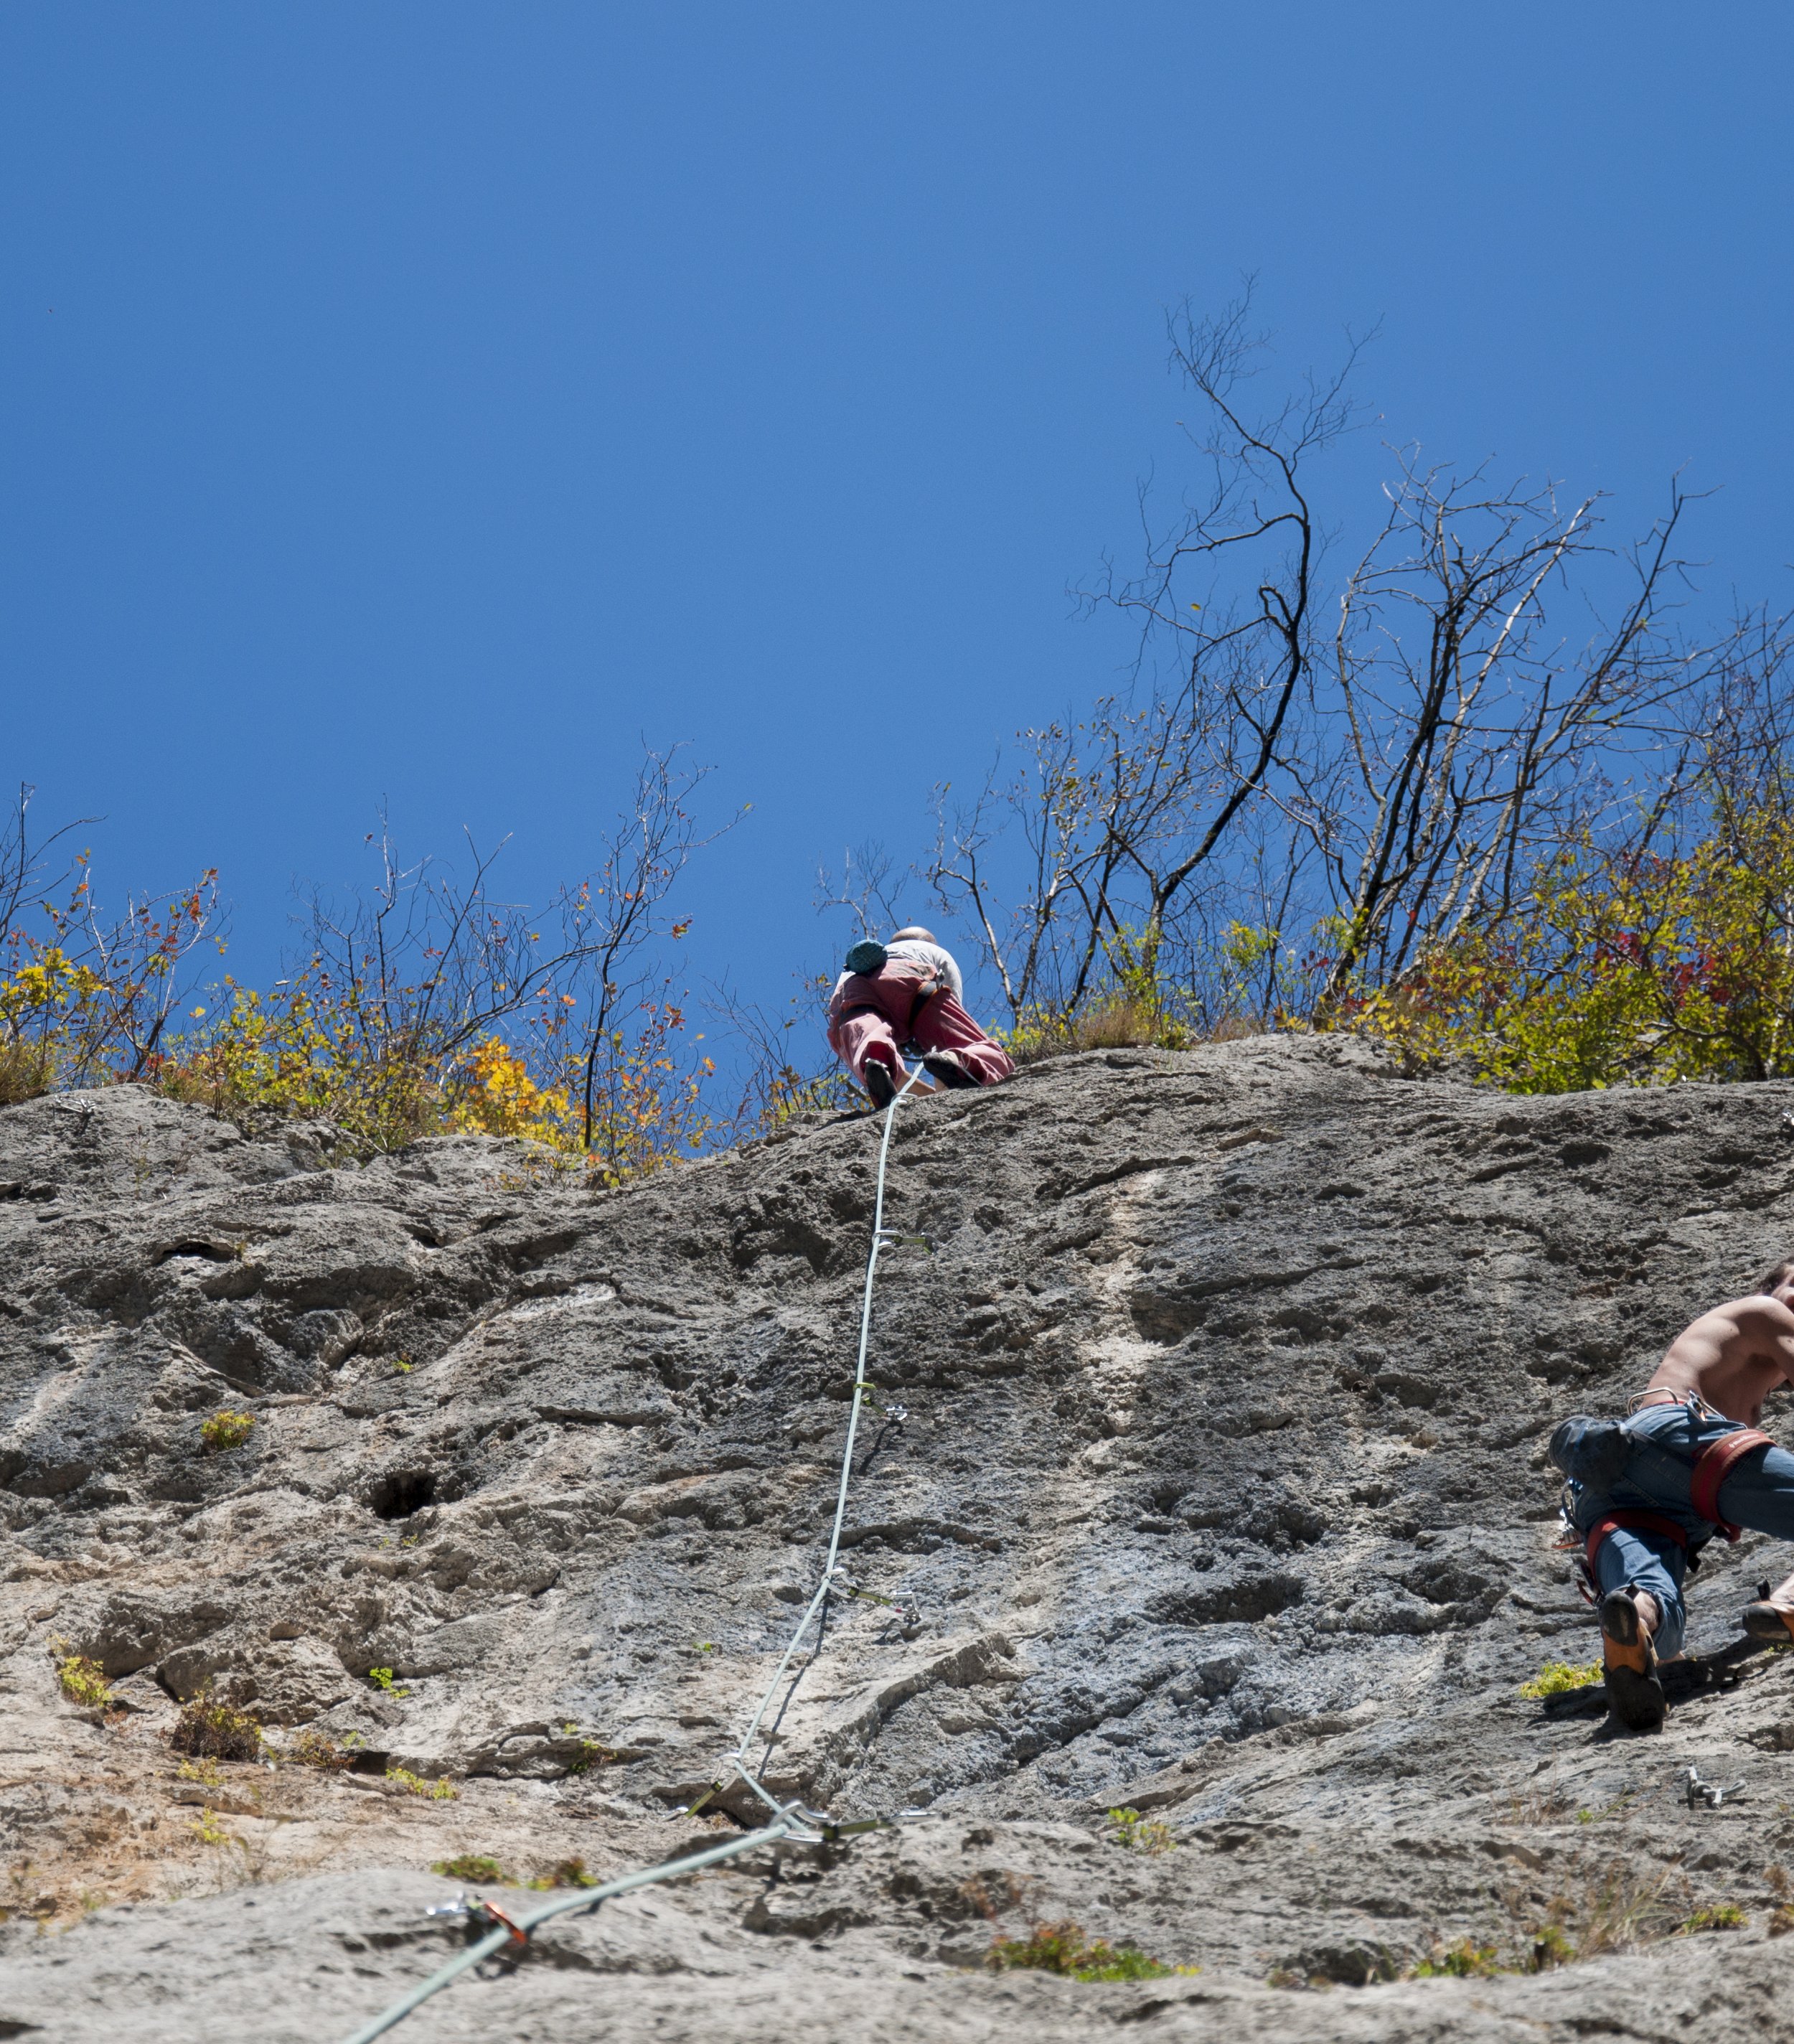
(515, 1931)
(830, 1565)
(788, 1821)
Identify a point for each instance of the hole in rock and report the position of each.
(403, 1492)
(213, 1252)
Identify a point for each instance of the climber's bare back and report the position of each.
(1734, 1356)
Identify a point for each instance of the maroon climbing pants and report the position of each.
(873, 1014)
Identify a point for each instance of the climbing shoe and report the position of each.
(1765, 1620)
(880, 1083)
(1634, 1689)
(945, 1067)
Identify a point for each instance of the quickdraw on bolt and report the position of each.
(1707, 1795)
(892, 1414)
(716, 1789)
(833, 1834)
(849, 1587)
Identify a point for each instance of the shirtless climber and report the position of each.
(1648, 1491)
(908, 991)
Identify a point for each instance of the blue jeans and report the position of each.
(1758, 1493)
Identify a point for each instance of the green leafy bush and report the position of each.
(1615, 968)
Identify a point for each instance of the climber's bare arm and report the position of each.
(1733, 1356)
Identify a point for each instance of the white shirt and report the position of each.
(939, 962)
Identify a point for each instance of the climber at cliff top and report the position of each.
(908, 991)
(1647, 1492)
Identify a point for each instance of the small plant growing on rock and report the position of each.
(1620, 1907)
(1551, 1948)
(1545, 1804)
(83, 1681)
(207, 1773)
(1466, 1960)
(593, 1753)
(1715, 1916)
(1063, 1948)
(1556, 1677)
(470, 1866)
(206, 1828)
(208, 1726)
(225, 1431)
(382, 1679)
(441, 1790)
(1139, 1834)
(565, 1874)
(312, 1749)
(1617, 1807)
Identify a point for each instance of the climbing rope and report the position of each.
(830, 1566)
(515, 1932)
(788, 1821)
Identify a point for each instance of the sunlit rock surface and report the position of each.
(1219, 1492)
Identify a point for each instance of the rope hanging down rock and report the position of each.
(788, 1821)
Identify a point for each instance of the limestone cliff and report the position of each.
(1206, 1469)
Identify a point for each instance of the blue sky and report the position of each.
(427, 402)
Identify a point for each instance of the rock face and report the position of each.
(1203, 1474)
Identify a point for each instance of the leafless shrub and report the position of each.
(1463, 735)
(439, 961)
(1124, 819)
(1316, 778)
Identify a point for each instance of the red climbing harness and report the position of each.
(1631, 1522)
(1714, 1464)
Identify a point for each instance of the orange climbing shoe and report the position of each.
(1634, 1689)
